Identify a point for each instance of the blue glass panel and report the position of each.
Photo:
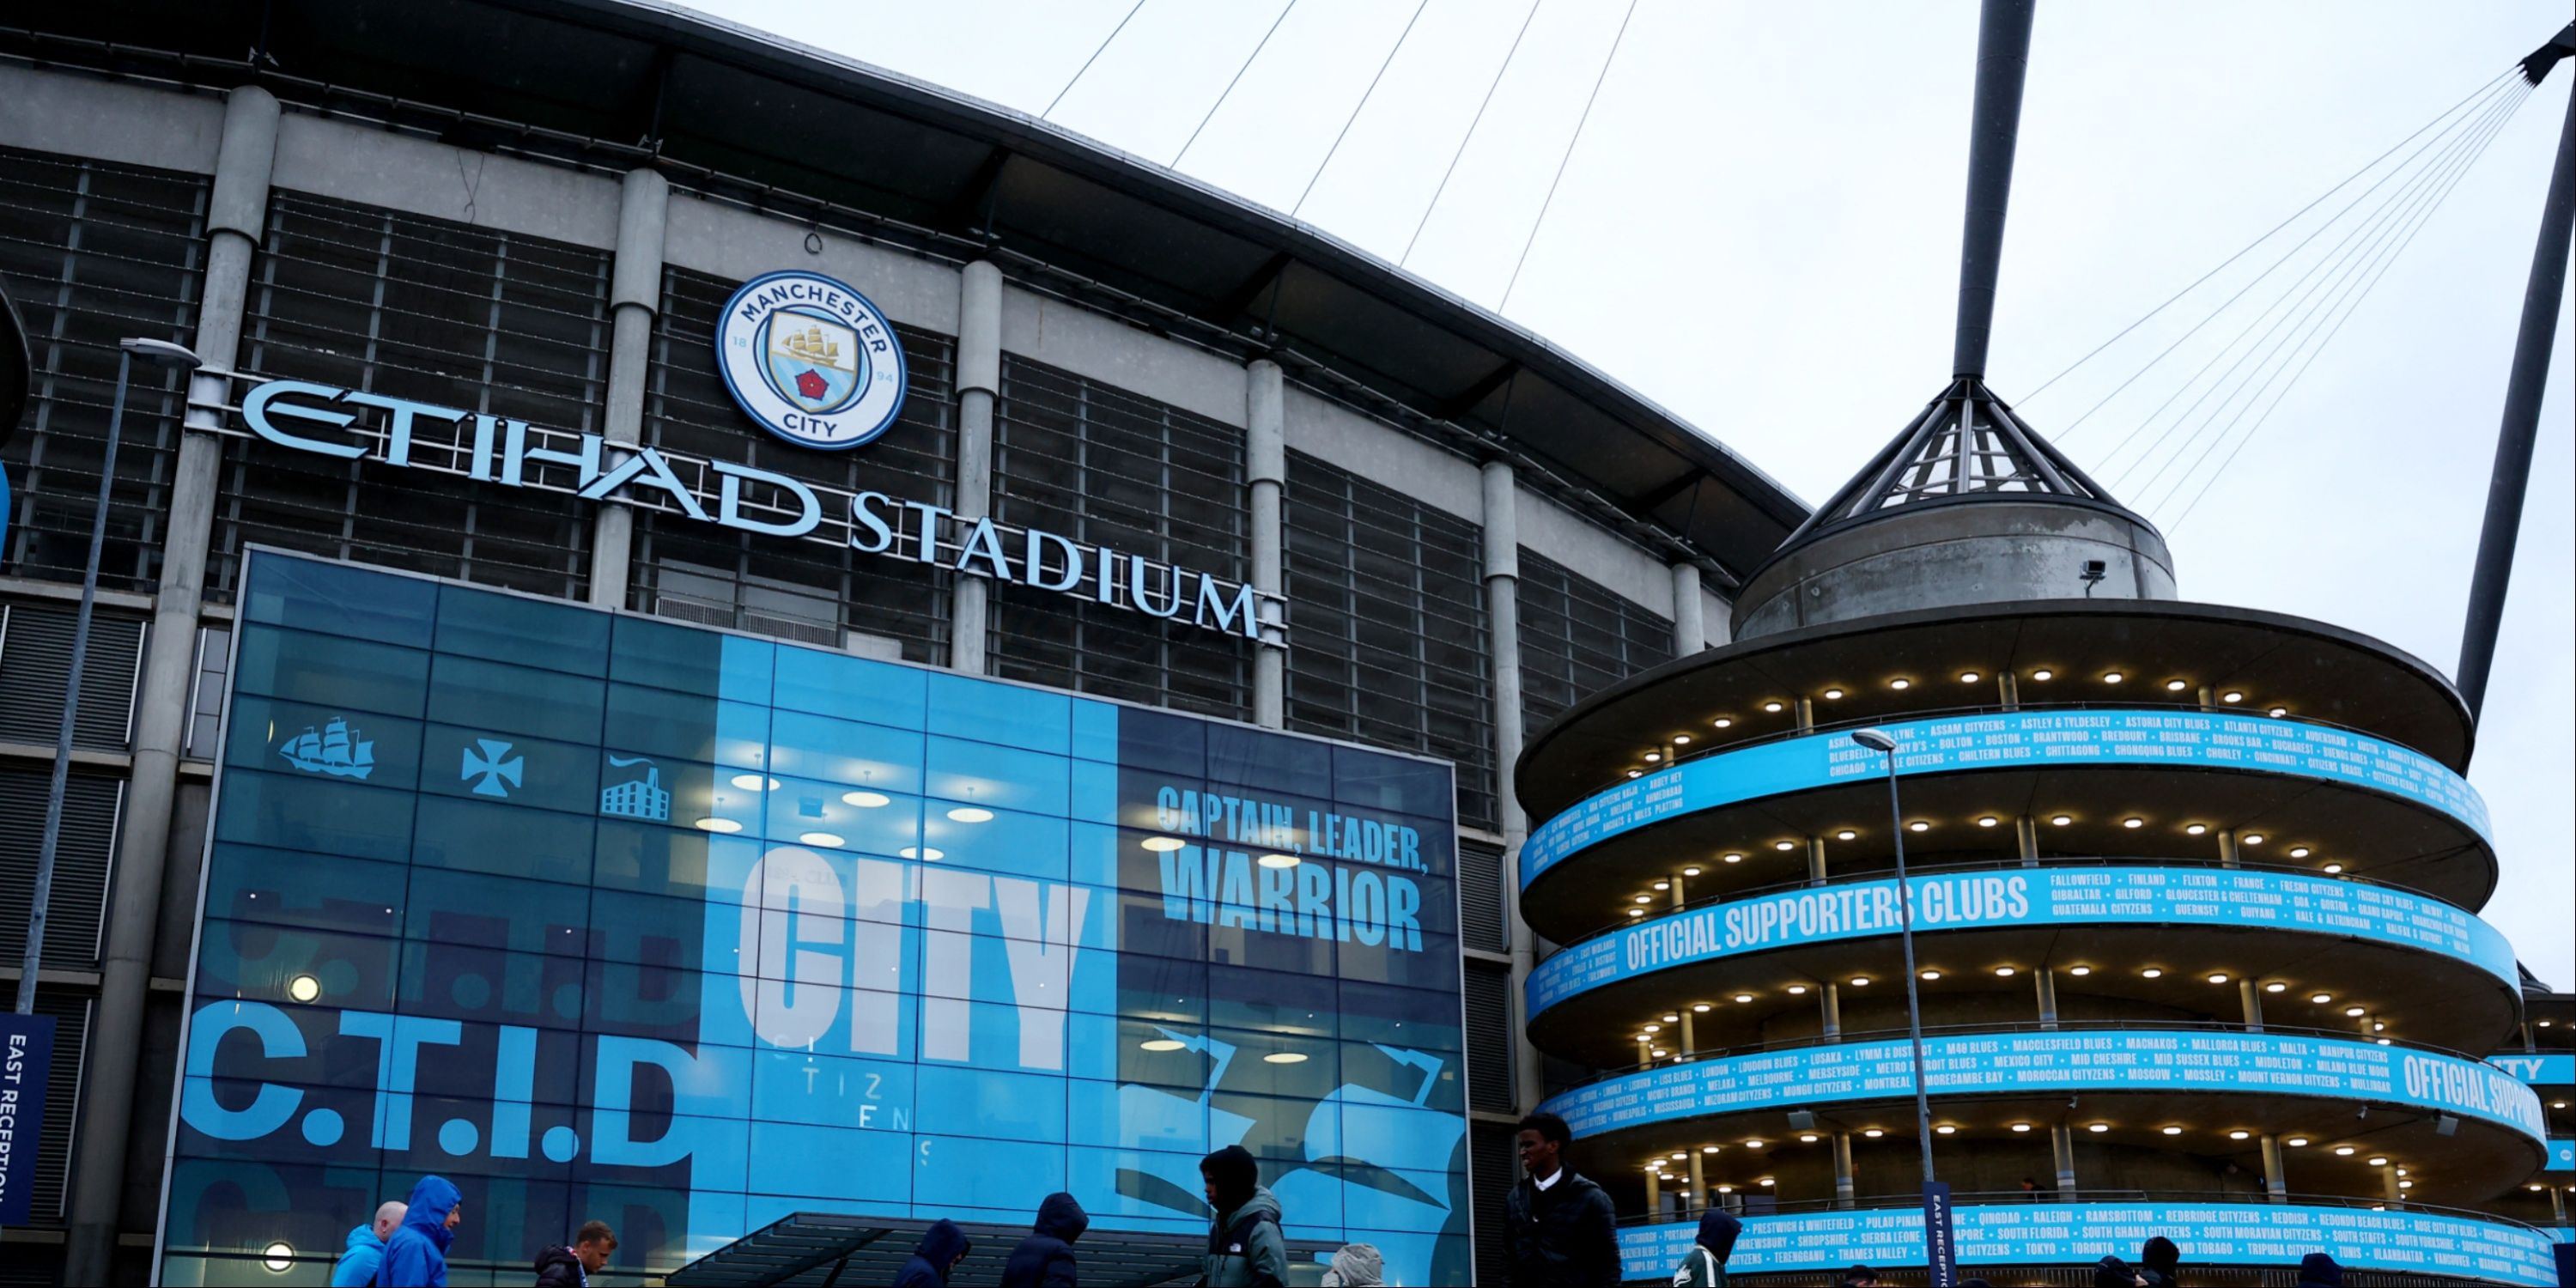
(875, 1094)
(299, 888)
(501, 699)
(989, 1102)
(536, 773)
(654, 722)
(832, 1164)
(479, 836)
(324, 743)
(963, 707)
(975, 773)
(282, 964)
(1001, 1176)
(351, 676)
(845, 752)
(315, 814)
(850, 688)
(498, 912)
(490, 986)
(1029, 845)
(1095, 731)
(335, 599)
(528, 632)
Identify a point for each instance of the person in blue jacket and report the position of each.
(943, 1245)
(1045, 1258)
(416, 1255)
(366, 1251)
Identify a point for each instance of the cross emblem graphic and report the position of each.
(488, 770)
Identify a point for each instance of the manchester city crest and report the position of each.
(810, 359)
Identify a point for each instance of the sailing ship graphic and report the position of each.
(819, 365)
(336, 749)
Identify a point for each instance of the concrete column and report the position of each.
(2396, 1195)
(2061, 1142)
(1842, 1169)
(1830, 997)
(979, 382)
(1815, 860)
(2557, 1205)
(635, 296)
(2227, 855)
(1502, 536)
(2253, 999)
(2044, 982)
(2276, 1181)
(1654, 1197)
(1690, 1034)
(2026, 840)
(1805, 709)
(1690, 619)
(1645, 1053)
(237, 213)
(1265, 411)
(1678, 901)
(1699, 1184)
(2008, 687)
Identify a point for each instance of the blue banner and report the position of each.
(2271, 1236)
(1940, 1235)
(2206, 740)
(2062, 1061)
(2128, 896)
(2562, 1156)
(602, 916)
(26, 1057)
(2538, 1070)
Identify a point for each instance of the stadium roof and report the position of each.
(754, 118)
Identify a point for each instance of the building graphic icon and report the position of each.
(641, 798)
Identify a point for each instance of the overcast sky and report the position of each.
(1760, 228)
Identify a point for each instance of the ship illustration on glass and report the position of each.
(336, 749)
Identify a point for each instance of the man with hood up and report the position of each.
(1356, 1265)
(416, 1255)
(366, 1251)
(2317, 1270)
(943, 1245)
(2158, 1260)
(2111, 1272)
(1705, 1265)
(1245, 1249)
(1045, 1258)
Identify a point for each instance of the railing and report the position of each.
(1967, 1198)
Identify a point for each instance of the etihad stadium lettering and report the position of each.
(348, 424)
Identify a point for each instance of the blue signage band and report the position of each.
(2070, 1234)
(2228, 1063)
(2127, 896)
(2010, 740)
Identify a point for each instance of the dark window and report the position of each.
(391, 303)
(1387, 625)
(1492, 1169)
(35, 660)
(1480, 896)
(814, 592)
(1489, 1037)
(91, 253)
(79, 895)
(1111, 469)
(1578, 637)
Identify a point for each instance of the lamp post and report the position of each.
(1936, 1198)
(156, 351)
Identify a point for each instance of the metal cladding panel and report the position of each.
(36, 661)
(1489, 1038)
(1480, 896)
(81, 865)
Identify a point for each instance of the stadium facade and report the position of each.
(670, 522)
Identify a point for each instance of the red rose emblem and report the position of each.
(810, 384)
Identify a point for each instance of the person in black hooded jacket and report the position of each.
(2317, 1270)
(1045, 1258)
(1562, 1229)
(2158, 1262)
(943, 1245)
(1705, 1265)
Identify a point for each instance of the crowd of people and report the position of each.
(1562, 1233)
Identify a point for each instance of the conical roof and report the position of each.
(1965, 445)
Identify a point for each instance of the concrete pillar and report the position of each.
(2276, 1181)
(1502, 551)
(635, 296)
(1678, 900)
(2396, 1195)
(2061, 1142)
(1654, 1196)
(1699, 1184)
(1830, 997)
(1265, 413)
(979, 382)
(1805, 709)
(2026, 840)
(2227, 855)
(2044, 982)
(1645, 1053)
(1690, 1035)
(2008, 687)
(1842, 1169)
(1690, 619)
(2253, 999)
(2557, 1206)
(237, 213)
(1815, 860)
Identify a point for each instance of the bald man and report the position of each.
(357, 1266)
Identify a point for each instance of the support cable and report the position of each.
(2276, 228)
(2493, 91)
(1229, 85)
(1579, 123)
(1362, 106)
(2387, 262)
(1086, 63)
(2330, 261)
(1470, 135)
